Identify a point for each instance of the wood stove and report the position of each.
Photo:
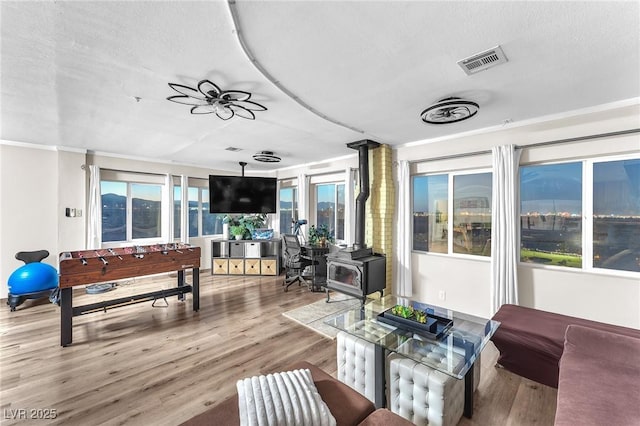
(356, 270)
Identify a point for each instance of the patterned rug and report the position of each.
(315, 314)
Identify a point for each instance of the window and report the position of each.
(177, 211)
(146, 212)
(330, 204)
(472, 214)
(288, 208)
(616, 215)
(470, 206)
(130, 211)
(430, 208)
(201, 222)
(551, 214)
(114, 211)
(583, 214)
(211, 222)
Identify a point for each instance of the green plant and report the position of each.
(248, 223)
(408, 312)
(316, 235)
(236, 230)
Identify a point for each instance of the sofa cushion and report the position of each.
(531, 341)
(599, 379)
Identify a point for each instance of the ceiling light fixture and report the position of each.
(209, 99)
(266, 157)
(449, 110)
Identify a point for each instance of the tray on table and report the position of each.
(435, 327)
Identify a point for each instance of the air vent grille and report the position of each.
(483, 60)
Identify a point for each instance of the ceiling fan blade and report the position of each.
(186, 91)
(242, 112)
(208, 89)
(187, 100)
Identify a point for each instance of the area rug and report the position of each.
(315, 314)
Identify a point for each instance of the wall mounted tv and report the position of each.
(242, 194)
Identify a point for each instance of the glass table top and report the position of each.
(453, 353)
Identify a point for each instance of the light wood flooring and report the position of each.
(139, 365)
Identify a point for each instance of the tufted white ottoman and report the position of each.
(426, 396)
(356, 366)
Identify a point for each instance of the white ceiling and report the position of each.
(71, 71)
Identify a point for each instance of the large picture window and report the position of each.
(551, 214)
(130, 211)
(146, 211)
(330, 206)
(616, 215)
(114, 211)
(472, 214)
(469, 205)
(582, 214)
(430, 213)
(201, 222)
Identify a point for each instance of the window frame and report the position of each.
(450, 211)
(587, 217)
(336, 184)
(129, 212)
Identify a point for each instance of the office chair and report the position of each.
(294, 261)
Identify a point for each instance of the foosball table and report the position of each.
(96, 266)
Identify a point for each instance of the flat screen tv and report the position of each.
(242, 194)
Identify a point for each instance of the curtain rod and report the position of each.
(534, 145)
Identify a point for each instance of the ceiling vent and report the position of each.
(483, 60)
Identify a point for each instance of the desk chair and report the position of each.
(294, 261)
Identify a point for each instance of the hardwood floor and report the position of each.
(139, 365)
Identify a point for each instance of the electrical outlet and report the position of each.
(442, 295)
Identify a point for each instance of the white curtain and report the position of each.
(350, 176)
(184, 209)
(403, 285)
(504, 228)
(303, 196)
(168, 208)
(94, 216)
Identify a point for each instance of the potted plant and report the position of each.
(246, 223)
(238, 231)
(320, 235)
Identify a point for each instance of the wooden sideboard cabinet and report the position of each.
(245, 257)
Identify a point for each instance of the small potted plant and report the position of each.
(320, 236)
(237, 231)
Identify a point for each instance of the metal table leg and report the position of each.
(380, 382)
(196, 289)
(468, 393)
(66, 316)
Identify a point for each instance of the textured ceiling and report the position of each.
(72, 71)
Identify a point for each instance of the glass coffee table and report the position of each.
(458, 339)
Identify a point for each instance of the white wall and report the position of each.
(29, 203)
(599, 296)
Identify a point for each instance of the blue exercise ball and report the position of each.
(33, 277)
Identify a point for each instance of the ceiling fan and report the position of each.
(449, 110)
(209, 99)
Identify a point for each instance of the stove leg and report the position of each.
(327, 291)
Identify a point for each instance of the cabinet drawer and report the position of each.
(252, 266)
(268, 266)
(236, 249)
(252, 250)
(236, 266)
(220, 266)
